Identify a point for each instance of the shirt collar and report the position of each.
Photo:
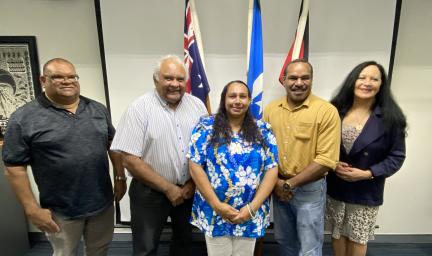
(45, 102)
(163, 102)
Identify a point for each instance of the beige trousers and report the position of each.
(97, 232)
(230, 246)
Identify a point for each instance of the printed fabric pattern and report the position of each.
(235, 172)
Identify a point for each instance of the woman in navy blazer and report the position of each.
(372, 149)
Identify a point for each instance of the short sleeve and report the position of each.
(199, 141)
(16, 148)
(130, 132)
(271, 159)
(111, 129)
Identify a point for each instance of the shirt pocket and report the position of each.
(303, 131)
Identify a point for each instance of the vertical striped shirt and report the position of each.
(159, 135)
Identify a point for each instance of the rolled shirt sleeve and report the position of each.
(329, 138)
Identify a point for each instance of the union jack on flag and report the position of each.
(197, 83)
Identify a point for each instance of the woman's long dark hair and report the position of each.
(393, 115)
(222, 132)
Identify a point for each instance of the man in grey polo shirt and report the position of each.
(65, 138)
(153, 135)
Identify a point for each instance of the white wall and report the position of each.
(63, 28)
(154, 28)
(67, 28)
(407, 205)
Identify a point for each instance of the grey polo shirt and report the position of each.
(67, 153)
(159, 135)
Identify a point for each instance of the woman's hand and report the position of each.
(352, 174)
(226, 211)
(242, 216)
(341, 166)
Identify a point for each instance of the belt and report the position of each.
(285, 177)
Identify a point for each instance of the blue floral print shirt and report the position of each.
(235, 172)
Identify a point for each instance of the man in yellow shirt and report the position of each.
(307, 131)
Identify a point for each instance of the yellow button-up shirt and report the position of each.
(310, 132)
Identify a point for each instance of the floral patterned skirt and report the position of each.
(354, 221)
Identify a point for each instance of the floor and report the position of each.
(375, 249)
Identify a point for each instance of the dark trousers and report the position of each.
(149, 212)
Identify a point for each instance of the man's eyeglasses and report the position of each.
(59, 78)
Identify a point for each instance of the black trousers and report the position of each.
(149, 212)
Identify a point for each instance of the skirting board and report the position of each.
(197, 236)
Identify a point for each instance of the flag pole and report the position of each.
(196, 28)
(301, 29)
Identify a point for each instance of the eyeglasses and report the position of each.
(59, 78)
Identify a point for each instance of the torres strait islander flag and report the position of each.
(197, 83)
(255, 63)
(300, 47)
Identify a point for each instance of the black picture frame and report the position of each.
(19, 75)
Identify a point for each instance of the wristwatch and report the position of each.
(286, 186)
(122, 178)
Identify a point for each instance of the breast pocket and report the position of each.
(303, 131)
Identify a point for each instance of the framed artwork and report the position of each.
(19, 75)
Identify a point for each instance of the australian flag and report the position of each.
(197, 83)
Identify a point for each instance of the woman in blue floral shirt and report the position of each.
(233, 161)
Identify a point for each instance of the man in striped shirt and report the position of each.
(153, 135)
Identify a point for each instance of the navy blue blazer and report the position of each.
(377, 149)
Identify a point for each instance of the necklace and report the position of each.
(358, 125)
(358, 119)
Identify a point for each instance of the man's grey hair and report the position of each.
(175, 58)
